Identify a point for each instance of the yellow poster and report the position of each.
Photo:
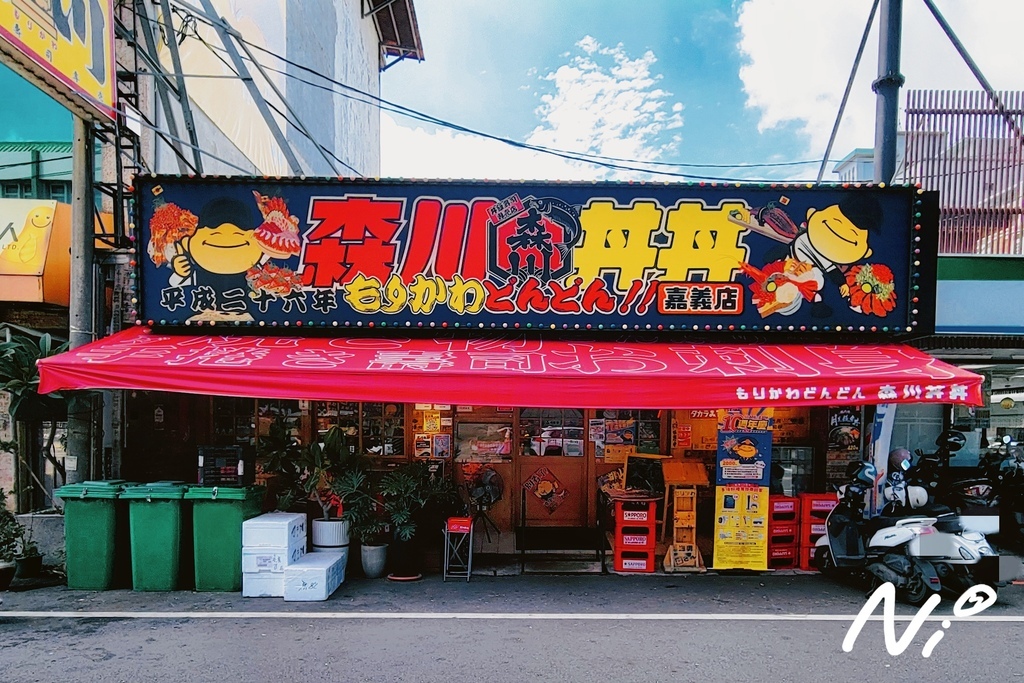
(72, 41)
(431, 421)
(741, 527)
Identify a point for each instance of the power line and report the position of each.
(326, 150)
(616, 163)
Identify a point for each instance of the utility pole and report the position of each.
(887, 87)
(82, 324)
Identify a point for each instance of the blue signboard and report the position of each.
(367, 253)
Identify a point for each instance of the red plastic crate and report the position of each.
(783, 533)
(811, 531)
(633, 561)
(783, 556)
(636, 513)
(783, 509)
(816, 506)
(635, 538)
(807, 559)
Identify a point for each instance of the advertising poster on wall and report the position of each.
(741, 526)
(744, 446)
(844, 439)
(546, 487)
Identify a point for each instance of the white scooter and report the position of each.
(962, 558)
(891, 552)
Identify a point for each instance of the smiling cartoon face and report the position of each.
(225, 249)
(836, 236)
(39, 217)
(746, 449)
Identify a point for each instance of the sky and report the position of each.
(713, 89)
(721, 83)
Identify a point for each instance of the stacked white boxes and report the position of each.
(315, 576)
(270, 544)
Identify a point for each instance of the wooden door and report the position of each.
(552, 467)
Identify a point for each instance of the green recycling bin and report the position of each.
(97, 548)
(159, 523)
(217, 516)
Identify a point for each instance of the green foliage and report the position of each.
(20, 377)
(26, 544)
(11, 531)
(362, 507)
(282, 453)
(307, 472)
(411, 494)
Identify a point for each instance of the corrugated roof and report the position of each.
(42, 147)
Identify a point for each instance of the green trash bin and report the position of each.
(217, 516)
(158, 522)
(97, 547)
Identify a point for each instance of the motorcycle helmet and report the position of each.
(862, 472)
(951, 441)
(899, 460)
(917, 496)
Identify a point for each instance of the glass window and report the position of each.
(551, 431)
(641, 428)
(234, 421)
(59, 191)
(373, 428)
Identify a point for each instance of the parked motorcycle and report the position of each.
(882, 549)
(976, 498)
(962, 557)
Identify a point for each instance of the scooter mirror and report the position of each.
(1007, 439)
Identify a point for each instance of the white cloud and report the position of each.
(602, 101)
(799, 54)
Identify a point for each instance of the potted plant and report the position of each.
(414, 499)
(280, 456)
(322, 463)
(365, 511)
(10, 534)
(28, 560)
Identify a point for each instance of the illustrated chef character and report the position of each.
(835, 237)
(745, 449)
(220, 251)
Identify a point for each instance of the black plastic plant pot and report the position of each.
(407, 560)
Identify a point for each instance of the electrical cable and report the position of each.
(585, 157)
(283, 115)
(849, 87)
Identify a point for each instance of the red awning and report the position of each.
(507, 370)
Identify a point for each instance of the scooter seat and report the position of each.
(876, 524)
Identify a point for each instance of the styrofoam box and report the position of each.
(315, 576)
(274, 530)
(266, 559)
(262, 585)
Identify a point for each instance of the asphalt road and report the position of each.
(574, 628)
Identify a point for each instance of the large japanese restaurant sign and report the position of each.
(544, 255)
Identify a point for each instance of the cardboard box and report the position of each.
(315, 576)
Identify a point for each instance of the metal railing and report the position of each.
(970, 148)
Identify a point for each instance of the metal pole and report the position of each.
(887, 87)
(81, 324)
(186, 108)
